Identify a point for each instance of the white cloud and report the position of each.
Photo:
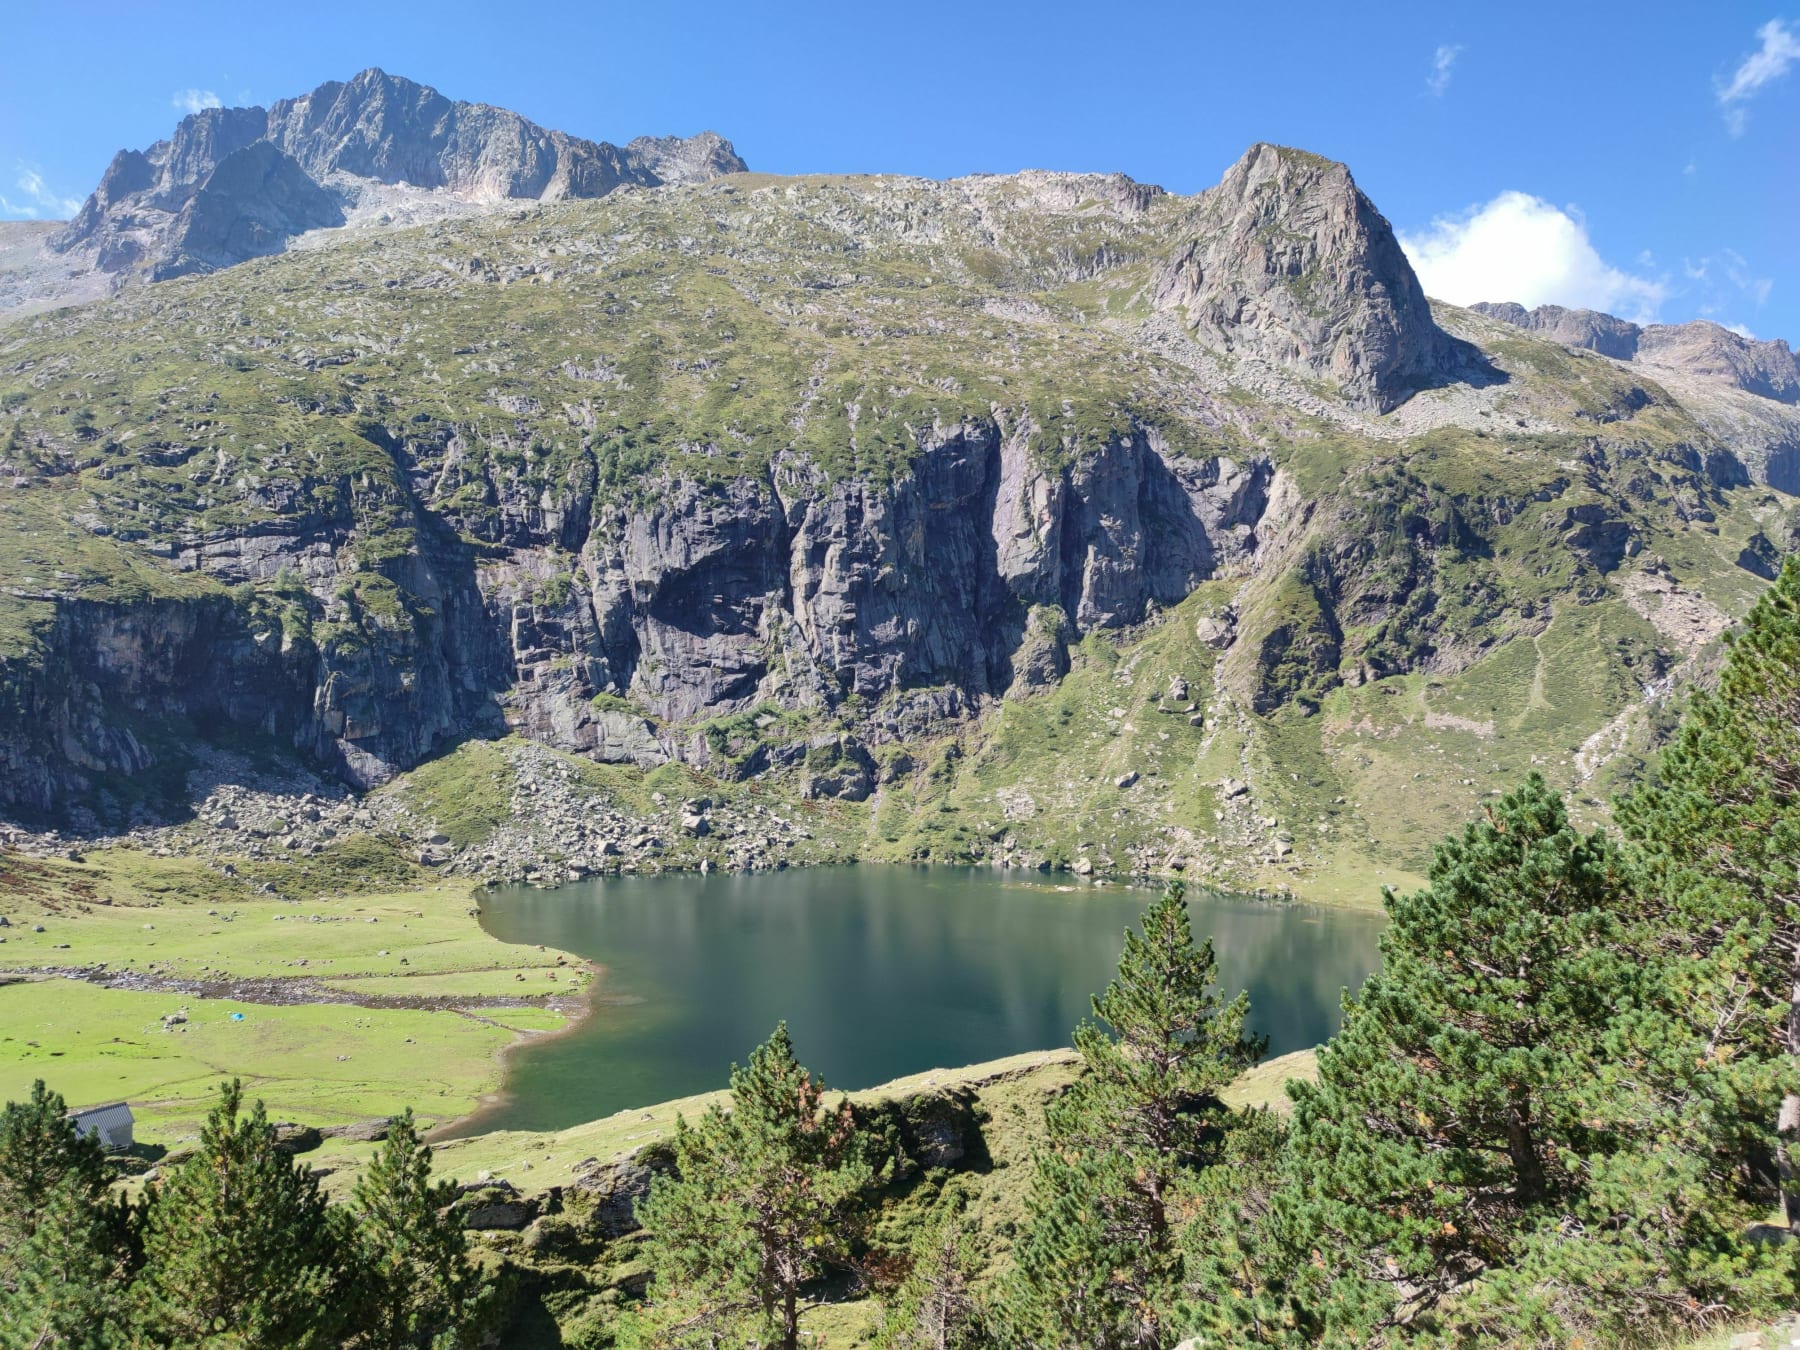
(1768, 63)
(1520, 247)
(37, 197)
(1441, 63)
(195, 100)
(1742, 331)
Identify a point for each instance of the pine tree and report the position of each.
(238, 1247)
(40, 1149)
(415, 1285)
(1100, 1263)
(1228, 1256)
(1491, 1088)
(935, 1307)
(68, 1289)
(763, 1199)
(1718, 837)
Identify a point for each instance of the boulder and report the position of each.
(292, 1137)
(940, 1129)
(500, 1215)
(839, 767)
(361, 1131)
(617, 1187)
(495, 1206)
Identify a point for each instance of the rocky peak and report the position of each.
(1587, 328)
(686, 159)
(327, 149)
(1701, 347)
(376, 126)
(1706, 349)
(1287, 260)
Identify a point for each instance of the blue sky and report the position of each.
(1640, 157)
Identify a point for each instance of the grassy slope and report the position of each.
(326, 1064)
(538, 1160)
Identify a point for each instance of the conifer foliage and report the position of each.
(415, 1286)
(765, 1197)
(62, 1258)
(1504, 1084)
(1718, 832)
(40, 1150)
(238, 1248)
(68, 1288)
(936, 1306)
(1100, 1264)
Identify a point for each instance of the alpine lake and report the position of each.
(879, 972)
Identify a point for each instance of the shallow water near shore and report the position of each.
(879, 971)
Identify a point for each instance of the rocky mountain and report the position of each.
(1770, 370)
(1043, 518)
(1289, 262)
(238, 183)
(1743, 391)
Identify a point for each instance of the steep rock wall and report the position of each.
(707, 599)
(803, 592)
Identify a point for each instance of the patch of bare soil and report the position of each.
(282, 991)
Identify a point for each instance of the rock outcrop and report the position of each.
(1291, 263)
(1768, 369)
(239, 183)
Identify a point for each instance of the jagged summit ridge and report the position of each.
(1700, 347)
(1287, 260)
(237, 183)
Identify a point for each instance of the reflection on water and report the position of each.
(878, 971)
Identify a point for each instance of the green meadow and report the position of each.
(332, 1009)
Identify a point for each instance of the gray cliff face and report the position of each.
(116, 679)
(1291, 263)
(959, 583)
(967, 577)
(736, 457)
(238, 183)
(247, 208)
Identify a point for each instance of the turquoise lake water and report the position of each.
(879, 971)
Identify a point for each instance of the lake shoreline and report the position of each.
(878, 968)
(578, 1008)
